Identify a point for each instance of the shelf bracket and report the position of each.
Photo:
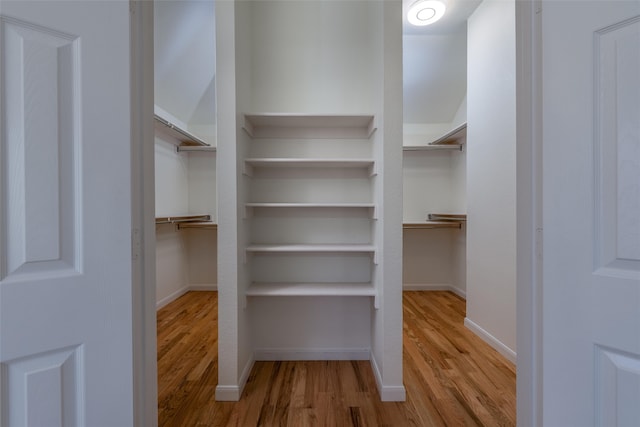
(373, 169)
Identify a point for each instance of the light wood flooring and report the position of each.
(452, 377)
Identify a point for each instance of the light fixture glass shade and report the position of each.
(425, 12)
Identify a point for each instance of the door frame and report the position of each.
(529, 216)
(143, 281)
(529, 314)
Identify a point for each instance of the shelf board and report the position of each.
(453, 137)
(447, 217)
(179, 219)
(321, 126)
(190, 148)
(317, 248)
(311, 205)
(430, 225)
(185, 137)
(253, 163)
(450, 147)
(250, 206)
(313, 163)
(311, 289)
(206, 225)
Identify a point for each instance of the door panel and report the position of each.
(42, 112)
(591, 212)
(65, 214)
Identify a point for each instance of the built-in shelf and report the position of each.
(250, 206)
(438, 220)
(346, 163)
(258, 289)
(284, 125)
(200, 148)
(454, 137)
(429, 225)
(310, 205)
(452, 147)
(205, 225)
(313, 248)
(311, 289)
(182, 219)
(447, 217)
(185, 137)
(452, 140)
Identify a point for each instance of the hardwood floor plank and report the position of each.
(452, 377)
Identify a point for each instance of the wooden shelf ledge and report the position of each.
(206, 225)
(429, 225)
(185, 137)
(181, 219)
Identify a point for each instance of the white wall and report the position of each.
(430, 184)
(312, 56)
(184, 184)
(491, 175)
(434, 182)
(171, 178)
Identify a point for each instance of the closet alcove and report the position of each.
(279, 154)
(185, 144)
(459, 85)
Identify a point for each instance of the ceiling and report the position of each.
(434, 62)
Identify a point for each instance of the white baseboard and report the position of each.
(434, 287)
(183, 290)
(491, 340)
(232, 393)
(312, 354)
(387, 393)
(172, 297)
(203, 287)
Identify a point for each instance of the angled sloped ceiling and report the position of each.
(185, 60)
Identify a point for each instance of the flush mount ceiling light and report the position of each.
(425, 12)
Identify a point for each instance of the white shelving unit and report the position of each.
(309, 172)
(308, 129)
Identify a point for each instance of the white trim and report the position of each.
(203, 287)
(143, 315)
(232, 393)
(183, 290)
(490, 339)
(170, 298)
(312, 354)
(387, 393)
(435, 287)
(529, 314)
(228, 393)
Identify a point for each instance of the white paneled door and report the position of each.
(65, 214)
(591, 213)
